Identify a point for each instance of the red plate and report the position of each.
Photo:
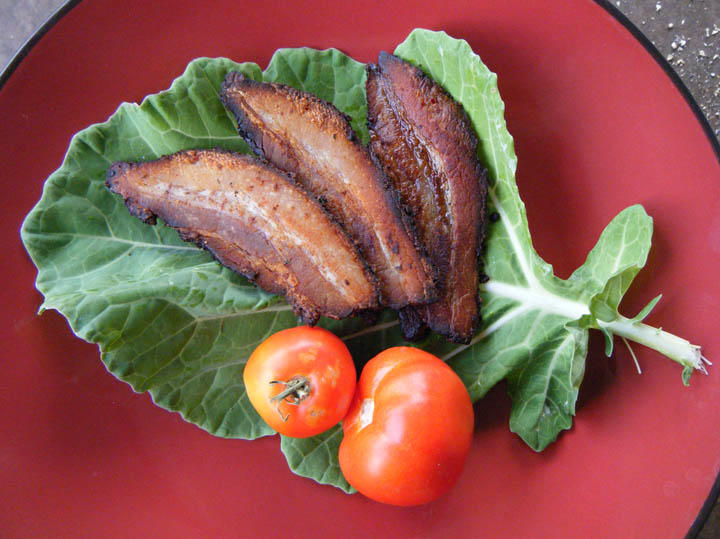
(598, 126)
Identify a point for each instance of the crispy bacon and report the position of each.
(426, 146)
(253, 219)
(313, 142)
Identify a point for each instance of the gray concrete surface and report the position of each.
(686, 32)
(18, 20)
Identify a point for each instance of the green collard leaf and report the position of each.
(642, 315)
(545, 389)
(316, 457)
(617, 257)
(609, 341)
(686, 374)
(171, 321)
(611, 266)
(600, 310)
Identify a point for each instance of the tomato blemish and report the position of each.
(310, 355)
(366, 413)
(331, 375)
(314, 416)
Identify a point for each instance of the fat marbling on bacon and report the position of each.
(253, 219)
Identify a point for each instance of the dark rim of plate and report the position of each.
(605, 4)
(33, 40)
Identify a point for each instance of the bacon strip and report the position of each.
(255, 221)
(426, 146)
(313, 142)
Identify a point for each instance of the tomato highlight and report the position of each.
(301, 381)
(409, 428)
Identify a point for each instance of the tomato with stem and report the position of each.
(409, 429)
(301, 380)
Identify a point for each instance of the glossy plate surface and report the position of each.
(598, 125)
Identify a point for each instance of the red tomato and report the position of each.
(301, 381)
(408, 431)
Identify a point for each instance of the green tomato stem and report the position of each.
(672, 346)
(296, 390)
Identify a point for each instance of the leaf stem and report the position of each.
(672, 346)
(635, 359)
